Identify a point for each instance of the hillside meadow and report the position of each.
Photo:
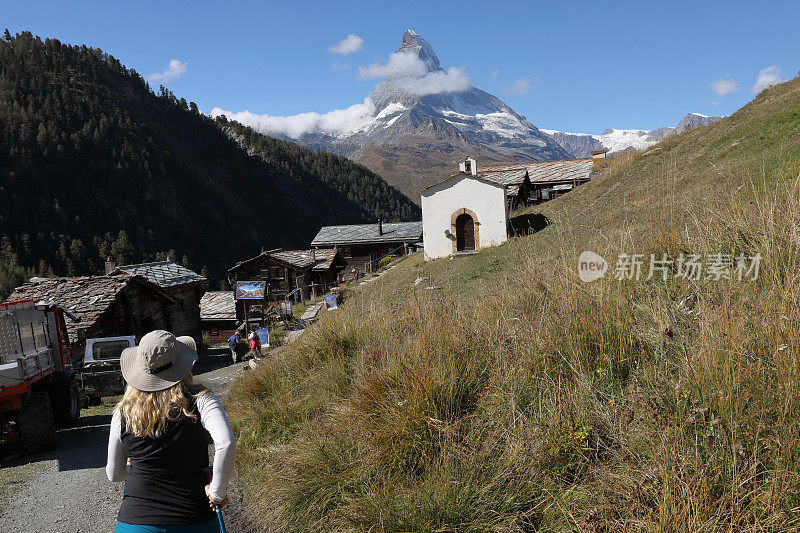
(498, 392)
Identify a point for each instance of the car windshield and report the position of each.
(108, 349)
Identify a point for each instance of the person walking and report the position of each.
(255, 343)
(161, 427)
(233, 344)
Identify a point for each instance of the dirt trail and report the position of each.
(70, 491)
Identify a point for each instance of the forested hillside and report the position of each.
(93, 162)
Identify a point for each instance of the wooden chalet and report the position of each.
(362, 245)
(528, 183)
(218, 316)
(185, 285)
(104, 306)
(288, 275)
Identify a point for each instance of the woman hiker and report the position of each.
(255, 344)
(161, 426)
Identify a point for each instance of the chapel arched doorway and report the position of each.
(465, 233)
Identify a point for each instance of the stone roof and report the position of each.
(296, 258)
(165, 274)
(324, 259)
(512, 175)
(87, 298)
(318, 260)
(539, 172)
(218, 305)
(566, 170)
(368, 234)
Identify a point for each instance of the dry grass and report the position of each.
(513, 397)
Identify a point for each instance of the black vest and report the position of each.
(167, 475)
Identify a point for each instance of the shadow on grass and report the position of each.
(528, 223)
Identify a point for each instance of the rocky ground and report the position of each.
(66, 490)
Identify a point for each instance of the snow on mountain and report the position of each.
(614, 140)
(618, 140)
(419, 120)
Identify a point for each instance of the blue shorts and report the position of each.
(211, 526)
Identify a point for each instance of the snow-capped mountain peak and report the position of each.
(416, 123)
(413, 43)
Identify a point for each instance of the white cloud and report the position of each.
(452, 80)
(723, 86)
(766, 77)
(175, 70)
(495, 72)
(333, 122)
(399, 64)
(406, 70)
(348, 45)
(338, 65)
(520, 86)
(411, 73)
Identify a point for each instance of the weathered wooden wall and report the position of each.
(185, 317)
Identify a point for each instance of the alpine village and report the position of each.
(423, 312)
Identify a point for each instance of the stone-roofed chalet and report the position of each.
(166, 274)
(184, 284)
(106, 306)
(362, 245)
(287, 274)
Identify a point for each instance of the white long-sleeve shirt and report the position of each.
(214, 420)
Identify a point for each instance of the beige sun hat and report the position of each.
(160, 361)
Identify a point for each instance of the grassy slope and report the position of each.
(515, 398)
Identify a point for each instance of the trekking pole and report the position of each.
(219, 517)
(217, 508)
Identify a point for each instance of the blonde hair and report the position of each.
(146, 413)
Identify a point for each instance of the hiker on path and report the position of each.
(255, 343)
(161, 426)
(233, 343)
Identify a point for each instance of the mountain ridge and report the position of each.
(617, 140)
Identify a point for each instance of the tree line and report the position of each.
(95, 163)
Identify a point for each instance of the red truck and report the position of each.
(37, 379)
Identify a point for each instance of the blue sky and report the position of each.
(573, 66)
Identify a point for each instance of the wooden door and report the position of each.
(465, 232)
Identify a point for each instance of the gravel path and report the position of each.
(70, 492)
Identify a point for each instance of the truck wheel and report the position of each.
(35, 424)
(66, 403)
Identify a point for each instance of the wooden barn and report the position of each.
(104, 306)
(362, 245)
(218, 316)
(185, 285)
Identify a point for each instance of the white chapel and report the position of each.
(463, 213)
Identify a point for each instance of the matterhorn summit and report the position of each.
(412, 43)
(423, 118)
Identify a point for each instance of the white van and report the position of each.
(101, 374)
